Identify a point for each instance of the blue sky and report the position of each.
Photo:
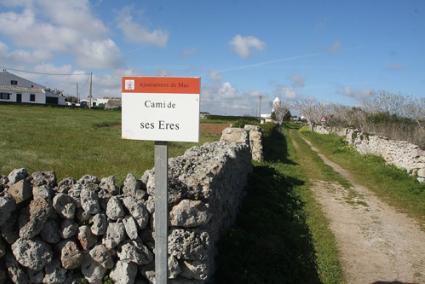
(336, 51)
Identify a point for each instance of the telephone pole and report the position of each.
(91, 89)
(259, 106)
(78, 94)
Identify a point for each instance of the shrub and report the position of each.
(242, 122)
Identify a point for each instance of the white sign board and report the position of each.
(160, 108)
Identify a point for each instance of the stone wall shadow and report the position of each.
(276, 147)
(270, 242)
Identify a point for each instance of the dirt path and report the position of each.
(377, 244)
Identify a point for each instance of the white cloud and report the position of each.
(43, 25)
(109, 85)
(29, 57)
(21, 56)
(214, 75)
(15, 3)
(75, 15)
(222, 97)
(349, 91)
(227, 90)
(297, 80)
(285, 92)
(255, 94)
(138, 33)
(49, 68)
(245, 45)
(335, 47)
(99, 53)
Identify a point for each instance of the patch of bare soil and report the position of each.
(213, 128)
(377, 244)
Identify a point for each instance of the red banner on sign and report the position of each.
(161, 85)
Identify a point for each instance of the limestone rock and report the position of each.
(83, 216)
(195, 270)
(20, 191)
(15, 271)
(124, 273)
(86, 238)
(32, 254)
(93, 272)
(114, 209)
(255, 142)
(184, 244)
(69, 228)
(3, 182)
(102, 255)
(17, 175)
(64, 205)
(150, 205)
(39, 211)
(133, 187)
(108, 184)
(70, 255)
(47, 178)
(86, 179)
(99, 224)
(173, 267)
(131, 184)
(137, 210)
(130, 227)
(189, 213)
(7, 206)
(55, 274)
(65, 185)
(74, 192)
(135, 252)
(42, 191)
(234, 135)
(89, 200)
(115, 234)
(50, 232)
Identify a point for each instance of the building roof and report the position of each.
(6, 77)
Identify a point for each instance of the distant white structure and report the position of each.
(107, 103)
(266, 117)
(15, 89)
(278, 111)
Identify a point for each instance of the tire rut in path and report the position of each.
(376, 243)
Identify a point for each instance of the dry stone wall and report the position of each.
(402, 154)
(250, 134)
(62, 232)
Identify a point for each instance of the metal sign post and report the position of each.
(161, 212)
(161, 109)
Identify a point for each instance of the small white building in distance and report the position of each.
(15, 89)
(106, 103)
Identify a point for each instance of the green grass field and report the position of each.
(393, 185)
(74, 142)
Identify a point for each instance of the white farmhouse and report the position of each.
(15, 89)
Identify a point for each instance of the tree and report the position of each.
(71, 99)
(312, 110)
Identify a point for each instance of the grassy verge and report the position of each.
(393, 185)
(73, 142)
(281, 235)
